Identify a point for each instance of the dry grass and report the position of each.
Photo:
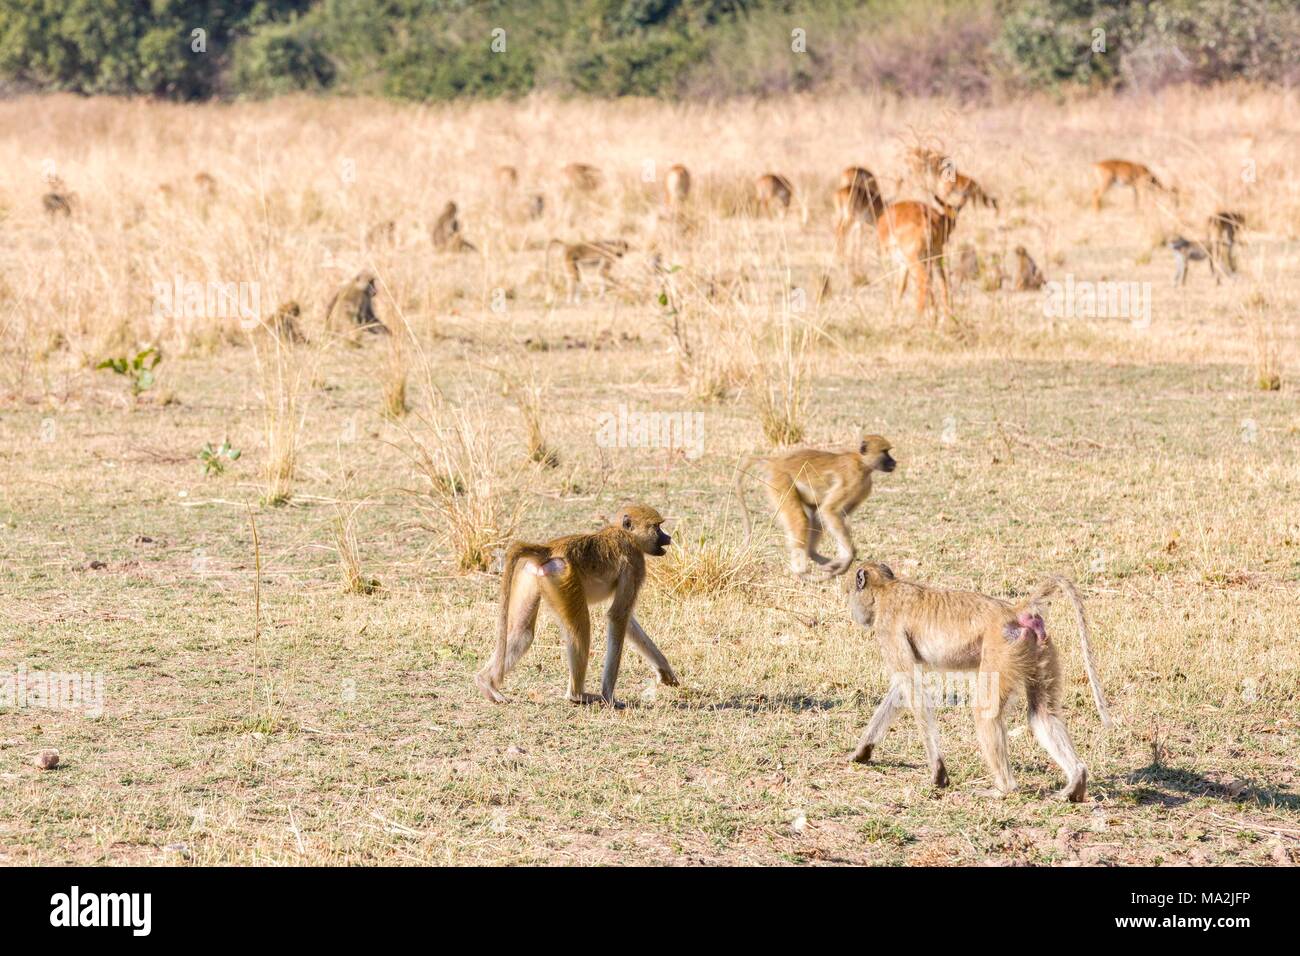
(250, 706)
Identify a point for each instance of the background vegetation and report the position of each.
(694, 49)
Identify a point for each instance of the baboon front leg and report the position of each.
(653, 656)
(880, 720)
(1049, 730)
(620, 613)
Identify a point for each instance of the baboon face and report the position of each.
(860, 588)
(875, 450)
(365, 282)
(643, 524)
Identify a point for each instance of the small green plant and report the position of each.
(214, 459)
(138, 369)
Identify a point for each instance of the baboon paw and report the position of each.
(862, 754)
(1075, 792)
(941, 775)
(668, 679)
(585, 699)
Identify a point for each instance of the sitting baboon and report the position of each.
(353, 309)
(446, 232)
(968, 264)
(1028, 278)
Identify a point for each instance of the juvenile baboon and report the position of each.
(1184, 251)
(1111, 171)
(352, 309)
(446, 232)
(283, 322)
(773, 188)
(915, 234)
(1222, 239)
(814, 491)
(677, 186)
(584, 257)
(927, 629)
(57, 204)
(857, 203)
(570, 573)
(1028, 278)
(583, 178)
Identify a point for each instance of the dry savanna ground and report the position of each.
(307, 697)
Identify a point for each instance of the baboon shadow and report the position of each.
(759, 703)
(1174, 787)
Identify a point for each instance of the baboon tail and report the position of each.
(512, 558)
(739, 488)
(1065, 586)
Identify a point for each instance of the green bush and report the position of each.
(282, 58)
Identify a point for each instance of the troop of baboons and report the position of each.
(919, 627)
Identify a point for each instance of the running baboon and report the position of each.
(1028, 278)
(773, 188)
(583, 257)
(352, 309)
(923, 629)
(570, 573)
(814, 491)
(446, 232)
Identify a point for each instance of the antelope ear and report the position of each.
(886, 573)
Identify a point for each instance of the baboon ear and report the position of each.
(862, 578)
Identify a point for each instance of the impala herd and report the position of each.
(914, 233)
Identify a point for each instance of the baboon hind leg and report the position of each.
(794, 519)
(1050, 732)
(521, 622)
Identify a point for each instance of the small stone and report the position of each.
(47, 759)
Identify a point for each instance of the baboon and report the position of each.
(283, 322)
(381, 232)
(206, 183)
(915, 234)
(570, 573)
(57, 204)
(814, 491)
(856, 203)
(1222, 238)
(583, 178)
(1111, 171)
(353, 308)
(579, 257)
(1028, 278)
(922, 629)
(773, 188)
(677, 186)
(1185, 250)
(446, 232)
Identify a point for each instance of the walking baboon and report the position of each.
(570, 573)
(1111, 171)
(583, 257)
(814, 491)
(1186, 250)
(1028, 278)
(352, 309)
(446, 231)
(773, 188)
(923, 629)
(915, 234)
